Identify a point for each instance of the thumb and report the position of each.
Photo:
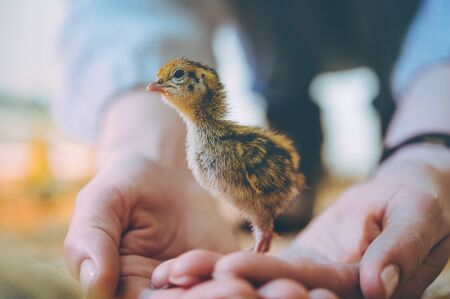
(410, 231)
(91, 245)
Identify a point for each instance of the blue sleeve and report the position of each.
(427, 43)
(110, 46)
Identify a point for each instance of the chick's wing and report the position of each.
(267, 165)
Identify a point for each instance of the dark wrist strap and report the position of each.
(430, 138)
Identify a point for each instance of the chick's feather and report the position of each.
(256, 169)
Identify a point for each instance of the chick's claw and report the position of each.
(263, 240)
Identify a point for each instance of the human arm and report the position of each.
(424, 169)
(400, 215)
(421, 84)
(417, 174)
(108, 48)
(140, 123)
(142, 206)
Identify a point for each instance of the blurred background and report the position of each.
(41, 168)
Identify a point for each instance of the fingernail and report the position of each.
(390, 277)
(182, 280)
(156, 286)
(87, 274)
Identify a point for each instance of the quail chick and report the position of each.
(255, 169)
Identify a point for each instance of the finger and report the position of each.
(188, 269)
(90, 248)
(174, 293)
(135, 275)
(259, 269)
(212, 289)
(256, 268)
(160, 276)
(427, 271)
(411, 230)
(283, 288)
(322, 294)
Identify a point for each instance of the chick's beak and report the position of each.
(155, 86)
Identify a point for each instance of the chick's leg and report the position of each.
(261, 216)
(263, 238)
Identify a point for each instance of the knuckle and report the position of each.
(434, 215)
(71, 244)
(91, 190)
(429, 205)
(223, 266)
(418, 248)
(112, 191)
(83, 194)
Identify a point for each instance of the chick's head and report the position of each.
(192, 88)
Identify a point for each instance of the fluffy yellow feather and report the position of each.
(255, 169)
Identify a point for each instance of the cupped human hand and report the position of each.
(396, 225)
(393, 230)
(210, 275)
(130, 217)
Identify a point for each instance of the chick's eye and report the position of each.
(178, 74)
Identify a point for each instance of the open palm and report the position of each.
(130, 217)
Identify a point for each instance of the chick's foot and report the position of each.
(263, 239)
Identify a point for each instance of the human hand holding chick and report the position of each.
(143, 205)
(367, 229)
(397, 223)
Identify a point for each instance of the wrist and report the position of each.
(423, 108)
(424, 166)
(433, 155)
(139, 123)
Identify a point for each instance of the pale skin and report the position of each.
(399, 217)
(143, 206)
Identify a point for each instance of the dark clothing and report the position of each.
(289, 42)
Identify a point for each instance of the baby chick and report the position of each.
(255, 169)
